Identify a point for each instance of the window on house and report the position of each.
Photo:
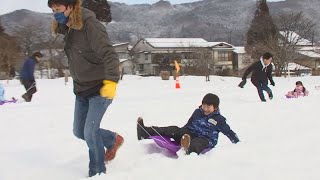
(141, 67)
(123, 56)
(146, 56)
(224, 56)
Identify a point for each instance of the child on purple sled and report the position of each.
(201, 131)
(1, 93)
(2, 99)
(299, 91)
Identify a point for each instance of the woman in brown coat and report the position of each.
(94, 67)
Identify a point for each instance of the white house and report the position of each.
(146, 51)
(122, 49)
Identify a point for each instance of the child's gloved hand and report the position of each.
(272, 83)
(108, 90)
(242, 83)
(235, 139)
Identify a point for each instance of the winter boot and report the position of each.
(141, 130)
(111, 153)
(26, 97)
(270, 95)
(185, 142)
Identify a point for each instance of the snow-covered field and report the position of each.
(279, 138)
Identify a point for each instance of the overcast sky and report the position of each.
(41, 5)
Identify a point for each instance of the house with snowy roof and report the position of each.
(295, 39)
(307, 54)
(147, 52)
(122, 49)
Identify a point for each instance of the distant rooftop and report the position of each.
(239, 50)
(175, 42)
(311, 54)
(181, 42)
(295, 38)
(294, 66)
(119, 44)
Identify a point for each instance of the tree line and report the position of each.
(262, 36)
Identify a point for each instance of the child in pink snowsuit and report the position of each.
(299, 90)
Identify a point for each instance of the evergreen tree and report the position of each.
(262, 30)
(100, 7)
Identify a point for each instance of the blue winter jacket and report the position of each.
(209, 126)
(27, 70)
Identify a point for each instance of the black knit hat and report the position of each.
(299, 82)
(61, 2)
(211, 99)
(37, 54)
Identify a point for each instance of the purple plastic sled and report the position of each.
(166, 142)
(10, 101)
(172, 146)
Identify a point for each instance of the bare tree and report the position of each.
(9, 53)
(54, 58)
(1, 28)
(30, 35)
(294, 27)
(203, 61)
(197, 61)
(166, 60)
(189, 63)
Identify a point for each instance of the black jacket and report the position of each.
(260, 73)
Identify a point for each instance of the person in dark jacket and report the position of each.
(261, 72)
(201, 131)
(94, 67)
(27, 77)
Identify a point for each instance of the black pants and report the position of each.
(263, 86)
(30, 87)
(207, 78)
(197, 144)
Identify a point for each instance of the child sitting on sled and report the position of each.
(298, 91)
(2, 99)
(1, 93)
(201, 131)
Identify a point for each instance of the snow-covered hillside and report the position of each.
(279, 138)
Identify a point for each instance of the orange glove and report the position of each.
(108, 90)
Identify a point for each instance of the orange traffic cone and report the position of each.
(177, 84)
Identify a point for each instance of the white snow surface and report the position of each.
(279, 138)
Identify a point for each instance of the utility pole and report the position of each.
(229, 37)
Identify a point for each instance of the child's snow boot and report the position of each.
(26, 97)
(141, 130)
(185, 142)
(270, 95)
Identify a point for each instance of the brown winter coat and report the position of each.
(91, 56)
